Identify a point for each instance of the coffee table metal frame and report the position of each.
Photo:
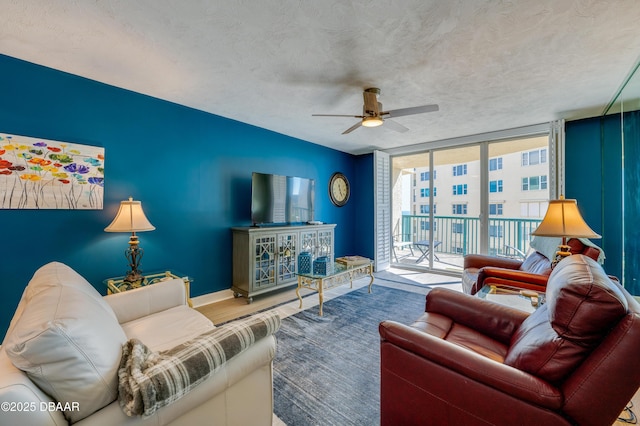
(341, 275)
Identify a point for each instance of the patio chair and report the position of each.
(400, 243)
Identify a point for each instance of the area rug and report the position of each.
(327, 369)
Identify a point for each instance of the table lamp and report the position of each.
(131, 218)
(563, 219)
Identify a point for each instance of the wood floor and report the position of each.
(230, 309)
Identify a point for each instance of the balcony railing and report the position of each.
(461, 235)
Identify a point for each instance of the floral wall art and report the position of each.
(44, 174)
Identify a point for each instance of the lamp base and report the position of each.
(134, 255)
(563, 251)
(133, 277)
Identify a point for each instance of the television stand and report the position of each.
(265, 259)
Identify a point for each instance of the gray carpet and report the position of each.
(327, 369)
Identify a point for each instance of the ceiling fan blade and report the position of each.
(394, 125)
(352, 128)
(410, 111)
(337, 115)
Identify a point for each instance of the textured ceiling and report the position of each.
(490, 65)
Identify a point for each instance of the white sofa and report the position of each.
(67, 341)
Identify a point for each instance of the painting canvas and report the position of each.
(43, 174)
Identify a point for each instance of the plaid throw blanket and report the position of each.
(149, 380)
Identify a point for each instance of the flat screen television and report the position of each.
(280, 200)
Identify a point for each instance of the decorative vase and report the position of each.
(304, 262)
(322, 266)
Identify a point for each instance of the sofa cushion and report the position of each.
(536, 263)
(178, 324)
(67, 340)
(469, 280)
(582, 305)
(150, 380)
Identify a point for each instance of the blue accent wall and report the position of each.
(603, 174)
(631, 200)
(191, 170)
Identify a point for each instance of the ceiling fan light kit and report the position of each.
(372, 121)
(374, 116)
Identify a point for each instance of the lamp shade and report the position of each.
(563, 219)
(130, 218)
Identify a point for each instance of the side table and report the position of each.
(514, 297)
(118, 285)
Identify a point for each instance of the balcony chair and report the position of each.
(401, 242)
(531, 273)
(471, 361)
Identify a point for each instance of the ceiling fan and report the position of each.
(374, 116)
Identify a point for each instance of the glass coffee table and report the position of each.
(341, 274)
(514, 297)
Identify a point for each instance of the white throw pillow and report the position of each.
(68, 340)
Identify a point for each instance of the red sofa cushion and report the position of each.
(582, 304)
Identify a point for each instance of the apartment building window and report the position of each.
(457, 228)
(533, 209)
(495, 164)
(537, 156)
(496, 231)
(425, 225)
(460, 170)
(424, 192)
(424, 176)
(534, 183)
(460, 189)
(495, 185)
(495, 209)
(459, 209)
(424, 209)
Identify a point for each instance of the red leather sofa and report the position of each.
(532, 273)
(469, 361)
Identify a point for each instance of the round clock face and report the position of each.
(339, 190)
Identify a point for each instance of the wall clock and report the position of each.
(339, 189)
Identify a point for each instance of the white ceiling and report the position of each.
(490, 65)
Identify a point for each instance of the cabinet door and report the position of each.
(325, 243)
(264, 261)
(309, 242)
(319, 242)
(287, 255)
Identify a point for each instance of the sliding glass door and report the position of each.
(519, 187)
(484, 197)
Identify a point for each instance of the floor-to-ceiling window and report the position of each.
(481, 197)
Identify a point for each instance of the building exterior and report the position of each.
(518, 186)
(444, 199)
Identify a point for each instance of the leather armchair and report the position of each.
(531, 273)
(472, 361)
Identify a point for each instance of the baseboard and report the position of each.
(209, 298)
